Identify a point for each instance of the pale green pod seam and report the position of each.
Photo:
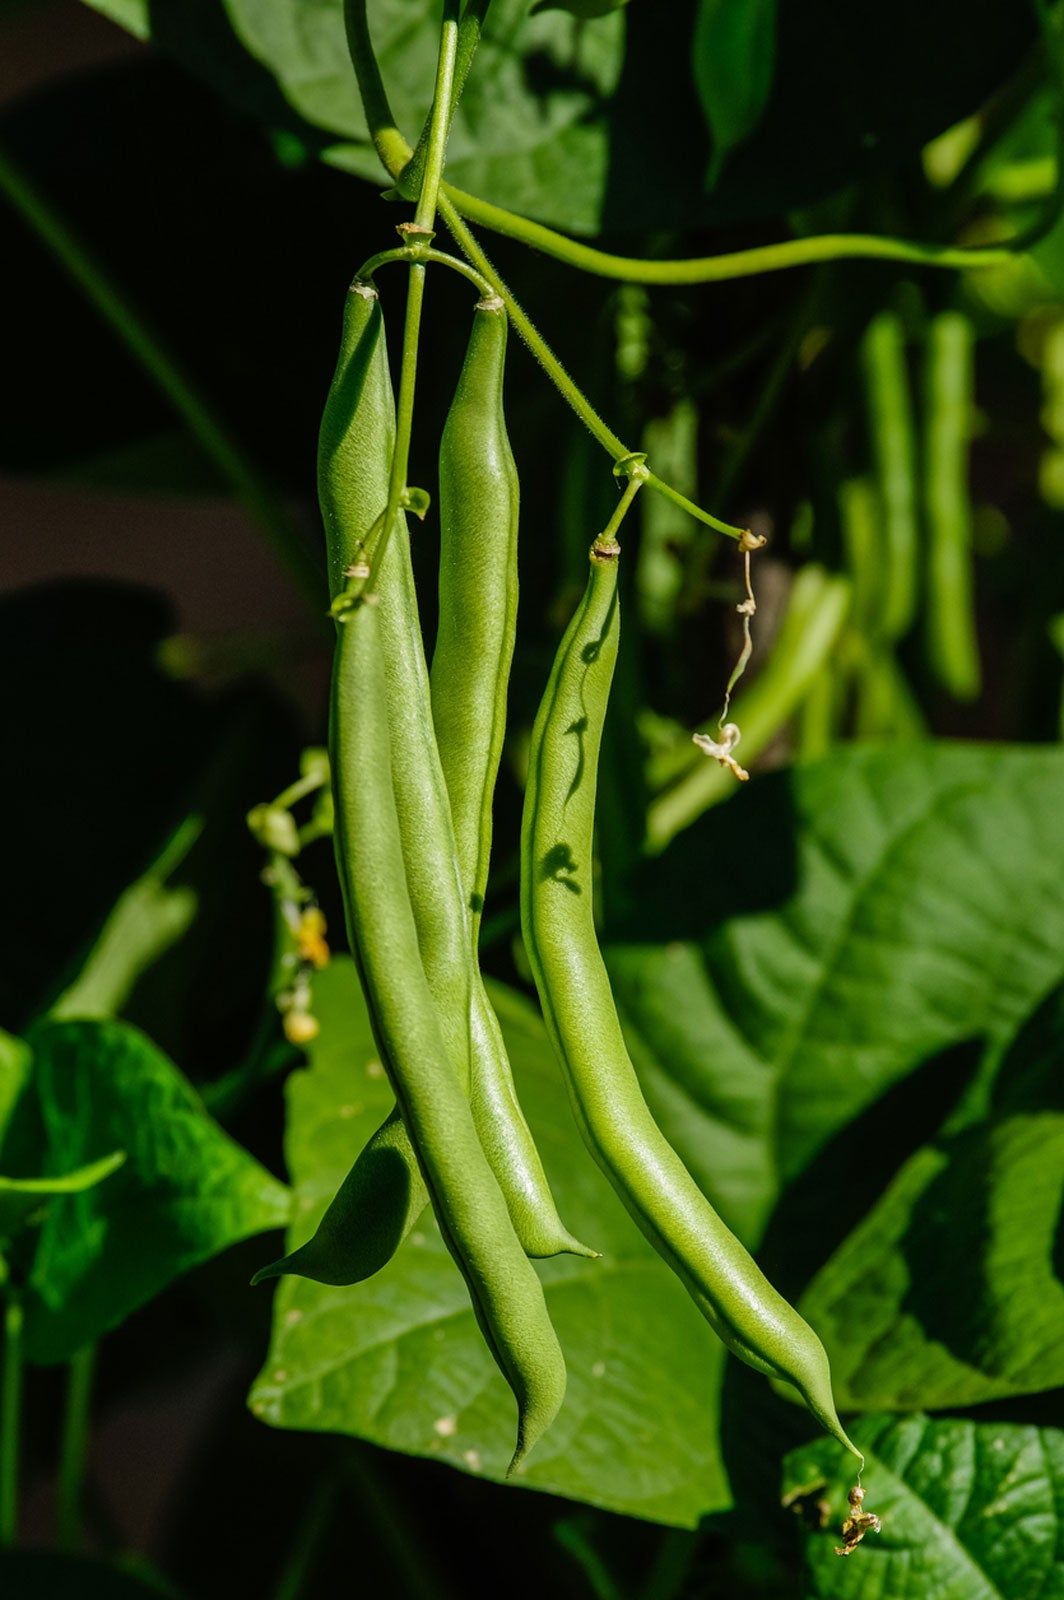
(728, 1287)
(479, 509)
(506, 1293)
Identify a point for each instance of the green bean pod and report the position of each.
(507, 1295)
(369, 1216)
(952, 645)
(355, 447)
(383, 1194)
(479, 500)
(557, 915)
(893, 443)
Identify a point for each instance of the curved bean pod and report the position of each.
(507, 1295)
(728, 1287)
(479, 500)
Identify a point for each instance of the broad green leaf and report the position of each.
(400, 1360)
(946, 1294)
(186, 1191)
(815, 942)
(823, 935)
(43, 1575)
(970, 1511)
(734, 60)
(23, 1199)
(530, 129)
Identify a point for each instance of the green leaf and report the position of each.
(530, 130)
(817, 939)
(554, 118)
(788, 964)
(400, 1360)
(23, 1199)
(946, 1294)
(145, 921)
(186, 1191)
(734, 61)
(970, 1511)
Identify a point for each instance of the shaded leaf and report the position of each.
(970, 1511)
(947, 1293)
(734, 58)
(24, 1199)
(186, 1191)
(400, 1360)
(819, 937)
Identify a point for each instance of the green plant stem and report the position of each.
(255, 494)
(469, 31)
(394, 153)
(391, 147)
(411, 252)
(732, 264)
(554, 369)
(424, 220)
(440, 118)
(73, 1449)
(535, 341)
(10, 1418)
(404, 418)
(308, 784)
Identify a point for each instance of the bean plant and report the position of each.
(611, 925)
